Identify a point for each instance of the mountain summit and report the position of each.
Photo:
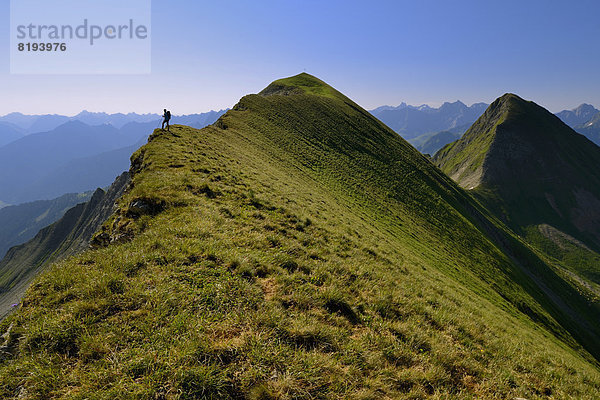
(531, 167)
(302, 84)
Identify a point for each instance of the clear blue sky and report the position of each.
(208, 54)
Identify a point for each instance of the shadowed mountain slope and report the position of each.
(20, 223)
(531, 167)
(538, 176)
(70, 235)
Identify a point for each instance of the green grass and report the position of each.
(575, 257)
(303, 84)
(296, 249)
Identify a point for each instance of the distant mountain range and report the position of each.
(410, 121)
(578, 116)
(428, 129)
(74, 156)
(14, 125)
(26, 164)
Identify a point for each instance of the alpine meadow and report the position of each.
(298, 248)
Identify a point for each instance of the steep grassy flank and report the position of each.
(463, 160)
(568, 251)
(298, 248)
(532, 167)
(538, 176)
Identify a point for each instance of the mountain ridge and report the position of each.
(536, 174)
(298, 248)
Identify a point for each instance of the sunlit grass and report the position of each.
(295, 260)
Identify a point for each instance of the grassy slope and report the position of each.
(463, 158)
(568, 254)
(296, 249)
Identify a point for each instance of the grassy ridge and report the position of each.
(533, 168)
(296, 249)
(540, 177)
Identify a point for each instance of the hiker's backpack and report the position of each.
(168, 114)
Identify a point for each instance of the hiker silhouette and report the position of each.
(167, 118)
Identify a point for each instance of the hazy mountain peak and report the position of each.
(578, 116)
(456, 106)
(72, 124)
(86, 112)
(388, 108)
(454, 103)
(585, 109)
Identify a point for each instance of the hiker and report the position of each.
(167, 118)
